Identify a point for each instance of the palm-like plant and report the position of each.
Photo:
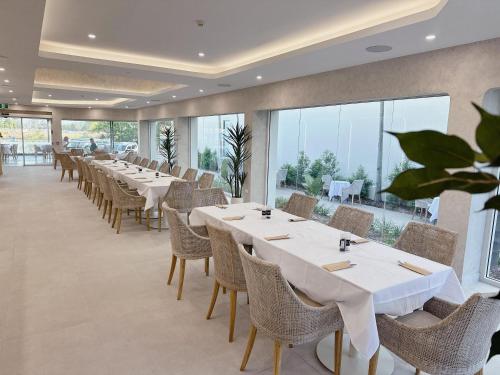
(238, 139)
(167, 145)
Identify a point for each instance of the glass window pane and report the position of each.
(79, 134)
(125, 136)
(37, 144)
(155, 135)
(11, 141)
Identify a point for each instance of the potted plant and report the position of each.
(238, 139)
(470, 169)
(167, 145)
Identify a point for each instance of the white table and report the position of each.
(336, 188)
(377, 285)
(146, 183)
(434, 209)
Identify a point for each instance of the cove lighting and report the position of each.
(430, 37)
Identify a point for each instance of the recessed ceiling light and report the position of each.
(96, 98)
(89, 107)
(201, 54)
(14, 99)
(2, 69)
(126, 106)
(430, 37)
(11, 91)
(174, 96)
(46, 105)
(50, 95)
(148, 102)
(201, 90)
(6, 80)
(379, 48)
(91, 36)
(259, 77)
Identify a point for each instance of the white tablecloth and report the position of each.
(336, 188)
(145, 182)
(376, 285)
(434, 209)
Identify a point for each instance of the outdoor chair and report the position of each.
(300, 205)
(352, 220)
(353, 190)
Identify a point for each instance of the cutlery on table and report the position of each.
(278, 237)
(414, 268)
(332, 267)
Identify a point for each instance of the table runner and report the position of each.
(376, 285)
(151, 188)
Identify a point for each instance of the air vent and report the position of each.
(223, 85)
(155, 100)
(379, 48)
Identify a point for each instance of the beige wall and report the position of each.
(464, 72)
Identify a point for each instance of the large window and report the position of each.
(26, 141)
(207, 137)
(342, 154)
(155, 137)
(110, 136)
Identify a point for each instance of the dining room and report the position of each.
(198, 188)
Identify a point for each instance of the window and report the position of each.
(207, 137)
(332, 151)
(155, 137)
(110, 136)
(493, 267)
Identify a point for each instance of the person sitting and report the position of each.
(65, 143)
(93, 145)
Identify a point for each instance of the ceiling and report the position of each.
(146, 53)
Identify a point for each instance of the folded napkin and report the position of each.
(296, 219)
(140, 178)
(279, 237)
(130, 173)
(221, 206)
(231, 218)
(359, 241)
(415, 268)
(338, 266)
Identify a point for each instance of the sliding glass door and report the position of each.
(25, 141)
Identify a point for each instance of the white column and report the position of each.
(144, 141)
(182, 132)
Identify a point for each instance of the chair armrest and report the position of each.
(200, 230)
(439, 307)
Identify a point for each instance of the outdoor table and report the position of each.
(336, 188)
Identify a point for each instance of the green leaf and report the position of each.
(436, 150)
(492, 203)
(481, 158)
(419, 183)
(488, 134)
(473, 182)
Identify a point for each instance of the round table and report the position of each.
(352, 362)
(336, 188)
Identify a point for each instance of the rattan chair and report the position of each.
(206, 180)
(176, 171)
(131, 157)
(180, 195)
(125, 200)
(277, 312)
(188, 243)
(190, 174)
(56, 157)
(443, 338)
(209, 197)
(102, 156)
(106, 195)
(352, 220)
(144, 162)
(87, 178)
(153, 165)
(300, 205)
(137, 160)
(76, 152)
(428, 241)
(228, 271)
(67, 164)
(165, 167)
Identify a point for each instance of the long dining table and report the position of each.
(150, 186)
(377, 284)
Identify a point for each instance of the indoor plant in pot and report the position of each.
(167, 145)
(238, 139)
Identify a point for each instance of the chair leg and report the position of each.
(223, 290)
(233, 294)
(119, 224)
(62, 173)
(215, 293)
(182, 270)
(147, 219)
(417, 371)
(207, 266)
(159, 217)
(110, 210)
(480, 372)
(372, 367)
(172, 269)
(114, 218)
(277, 357)
(338, 351)
(248, 350)
(105, 208)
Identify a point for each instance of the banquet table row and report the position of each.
(151, 184)
(377, 284)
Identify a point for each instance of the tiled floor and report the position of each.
(78, 299)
